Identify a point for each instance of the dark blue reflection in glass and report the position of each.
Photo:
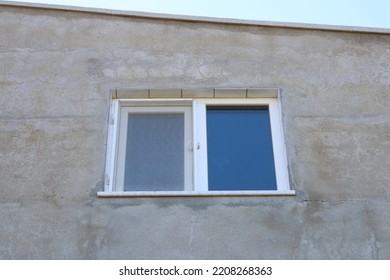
(239, 149)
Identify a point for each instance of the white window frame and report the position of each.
(196, 176)
(121, 154)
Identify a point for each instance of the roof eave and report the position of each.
(184, 18)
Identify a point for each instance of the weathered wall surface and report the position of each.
(56, 72)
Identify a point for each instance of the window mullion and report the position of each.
(200, 147)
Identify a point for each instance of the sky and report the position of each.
(362, 13)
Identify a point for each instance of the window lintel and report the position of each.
(127, 93)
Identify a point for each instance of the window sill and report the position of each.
(195, 193)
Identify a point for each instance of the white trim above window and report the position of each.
(194, 169)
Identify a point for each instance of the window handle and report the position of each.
(197, 146)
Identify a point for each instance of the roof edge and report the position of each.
(228, 21)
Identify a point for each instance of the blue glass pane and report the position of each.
(239, 149)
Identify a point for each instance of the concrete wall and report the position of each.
(56, 71)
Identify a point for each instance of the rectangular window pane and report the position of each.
(155, 152)
(239, 148)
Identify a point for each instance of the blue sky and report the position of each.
(366, 13)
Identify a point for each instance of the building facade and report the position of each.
(60, 70)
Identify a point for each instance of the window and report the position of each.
(188, 142)
(154, 149)
(239, 148)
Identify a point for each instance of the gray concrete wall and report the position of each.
(56, 72)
